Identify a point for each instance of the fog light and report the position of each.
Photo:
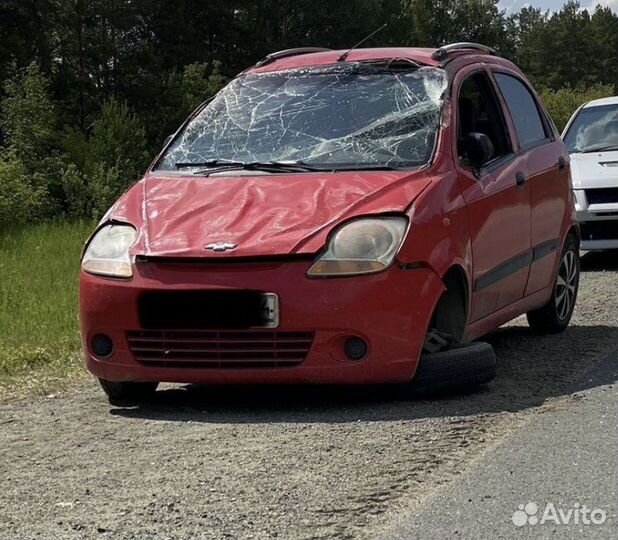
(102, 345)
(355, 348)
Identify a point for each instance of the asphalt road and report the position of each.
(563, 460)
(317, 463)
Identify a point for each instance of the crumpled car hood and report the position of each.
(265, 215)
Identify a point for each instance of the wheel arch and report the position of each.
(453, 307)
(574, 231)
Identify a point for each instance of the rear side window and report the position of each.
(523, 108)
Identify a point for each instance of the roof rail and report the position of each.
(289, 52)
(443, 52)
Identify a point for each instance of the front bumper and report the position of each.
(598, 222)
(390, 311)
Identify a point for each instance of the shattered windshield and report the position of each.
(346, 116)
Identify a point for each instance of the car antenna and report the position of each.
(343, 57)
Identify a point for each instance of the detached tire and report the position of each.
(128, 393)
(555, 316)
(460, 368)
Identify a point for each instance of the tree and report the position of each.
(438, 22)
(106, 163)
(567, 48)
(29, 124)
(28, 119)
(20, 201)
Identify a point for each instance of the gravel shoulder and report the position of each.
(293, 463)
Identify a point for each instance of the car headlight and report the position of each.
(107, 253)
(363, 246)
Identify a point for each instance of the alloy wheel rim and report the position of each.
(566, 285)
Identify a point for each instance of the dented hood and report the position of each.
(264, 214)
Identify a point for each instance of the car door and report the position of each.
(498, 206)
(546, 175)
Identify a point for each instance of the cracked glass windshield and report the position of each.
(347, 116)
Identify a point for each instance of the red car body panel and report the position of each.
(266, 215)
(281, 222)
(365, 308)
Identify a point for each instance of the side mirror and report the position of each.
(167, 140)
(477, 149)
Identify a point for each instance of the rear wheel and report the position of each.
(128, 392)
(556, 314)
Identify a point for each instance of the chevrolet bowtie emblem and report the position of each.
(221, 246)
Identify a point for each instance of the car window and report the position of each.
(348, 116)
(593, 128)
(480, 112)
(523, 109)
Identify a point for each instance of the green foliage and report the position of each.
(29, 119)
(570, 47)
(78, 192)
(438, 22)
(102, 166)
(29, 124)
(20, 201)
(562, 103)
(181, 93)
(199, 82)
(118, 140)
(106, 185)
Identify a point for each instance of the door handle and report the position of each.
(561, 163)
(520, 179)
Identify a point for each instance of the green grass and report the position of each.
(39, 333)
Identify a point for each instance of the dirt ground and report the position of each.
(290, 463)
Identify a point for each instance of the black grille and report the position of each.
(220, 349)
(602, 195)
(599, 230)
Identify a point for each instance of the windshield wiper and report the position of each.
(267, 166)
(207, 163)
(222, 165)
(606, 148)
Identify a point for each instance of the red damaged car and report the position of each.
(337, 217)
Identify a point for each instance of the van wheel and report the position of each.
(125, 393)
(555, 316)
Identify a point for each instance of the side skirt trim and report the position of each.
(515, 264)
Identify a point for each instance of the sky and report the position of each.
(554, 5)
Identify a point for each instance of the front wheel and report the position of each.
(555, 316)
(128, 392)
